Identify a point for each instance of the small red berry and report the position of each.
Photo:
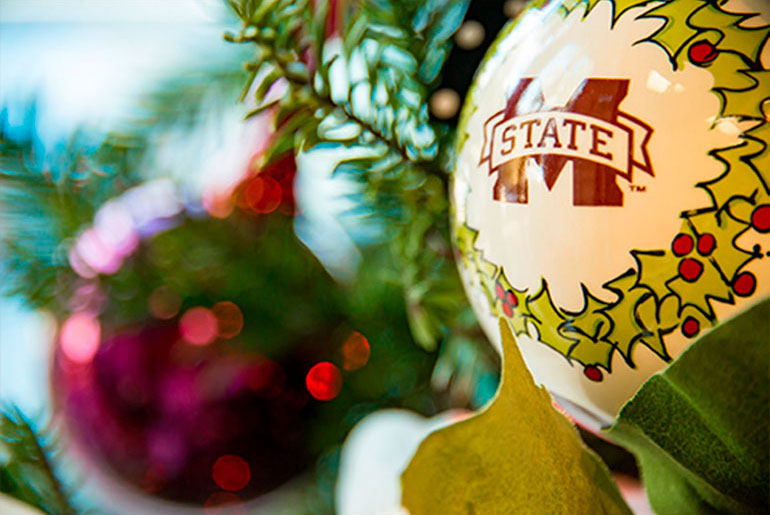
(499, 291)
(744, 284)
(690, 327)
(690, 269)
(682, 244)
(760, 218)
(702, 53)
(706, 244)
(593, 373)
(511, 299)
(507, 309)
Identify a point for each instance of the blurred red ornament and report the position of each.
(183, 421)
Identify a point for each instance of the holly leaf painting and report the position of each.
(761, 160)
(676, 31)
(590, 321)
(699, 293)
(465, 237)
(592, 353)
(519, 455)
(655, 267)
(589, 327)
(516, 312)
(548, 319)
(729, 73)
(742, 170)
(745, 40)
(659, 318)
(700, 428)
(618, 6)
(746, 103)
(729, 257)
(627, 328)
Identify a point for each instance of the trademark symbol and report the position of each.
(638, 188)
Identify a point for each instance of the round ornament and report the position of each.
(174, 372)
(611, 194)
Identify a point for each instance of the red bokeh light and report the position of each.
(284, 170)
(355, 351)
(164, 303)
(324, 381)
(231, 472)
(229, 319)
(198, 326)
(263, 194)
(218, 205)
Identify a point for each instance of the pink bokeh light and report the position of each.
(96, 254)
(79, 337)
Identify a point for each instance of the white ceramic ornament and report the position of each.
(611, 197)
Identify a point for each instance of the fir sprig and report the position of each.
(45, 199)
(367, 87)
(27, 464)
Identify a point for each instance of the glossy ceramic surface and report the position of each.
(611, 196)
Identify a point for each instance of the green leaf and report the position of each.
(519, 455)
(700, 429)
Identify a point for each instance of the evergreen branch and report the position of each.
(317, 101)
(47, 195)
(370, 80)
(27, 470)
(369, 88)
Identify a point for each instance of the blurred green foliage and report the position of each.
(27, 464)
(364, 83)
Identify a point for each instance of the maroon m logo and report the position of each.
(590, 131)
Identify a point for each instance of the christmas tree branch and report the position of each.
(49, 193)
(366, 85)
(287, 69)
(27, 471)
